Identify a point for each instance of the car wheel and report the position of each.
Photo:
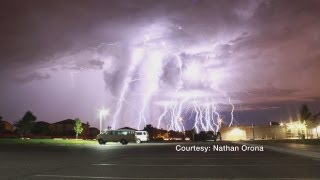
(101, 141)
(138, 141)
(123, 142)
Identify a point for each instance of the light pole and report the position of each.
(219, 123)
(102, 114)
(182, 123)
(252, 132)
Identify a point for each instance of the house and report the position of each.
(8, 127)
(291, 130)
(65, 128)
(62, 128)
(93, 132)
(41, 128)
(128, 129)
(161, 134)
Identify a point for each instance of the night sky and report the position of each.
(68, 58)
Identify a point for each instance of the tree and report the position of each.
(306, 115)
(25, 124)
(150, 129)
(78, 127)
(86, 131)
(1, 124)
(40, 128)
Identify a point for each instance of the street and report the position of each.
(149, 161)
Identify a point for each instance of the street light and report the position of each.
(219, 122)
(182, 123)
(102, 114)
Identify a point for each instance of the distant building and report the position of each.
(8, 127)
(161, 134)
(128, 128)
(66, 128)
(252, 132)
(41, 128)
(131, 130)
(93, 132)
(315, 132)
(292, 130)
(63, 128)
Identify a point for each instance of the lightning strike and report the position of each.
(200, 108)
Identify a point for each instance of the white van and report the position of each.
(122, 136)
(141, 136)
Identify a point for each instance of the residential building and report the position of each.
(66, 128)
(292, 130)
(8, 127)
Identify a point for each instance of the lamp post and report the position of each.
(182, 123)
(102, 114)
(219, 122)
(252, 132)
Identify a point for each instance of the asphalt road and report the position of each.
(148, 161)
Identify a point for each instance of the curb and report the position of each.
(309, 154)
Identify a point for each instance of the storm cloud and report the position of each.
(32, 77)
(264, 54)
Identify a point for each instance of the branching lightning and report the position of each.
(186, 107)
(136, 59)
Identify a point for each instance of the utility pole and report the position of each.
(252, 132)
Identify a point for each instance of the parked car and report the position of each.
(122, 136)
(141, 136)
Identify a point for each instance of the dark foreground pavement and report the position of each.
(306, 150)
(148, 161)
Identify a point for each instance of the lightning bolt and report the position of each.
(136, 59)
(162, 116)
(154, 66)
(232, 117)
(204, 111)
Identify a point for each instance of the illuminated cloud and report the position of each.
(36, 76)
(263, 54)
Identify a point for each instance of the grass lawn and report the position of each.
(47, 141)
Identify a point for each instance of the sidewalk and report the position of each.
(306, 150)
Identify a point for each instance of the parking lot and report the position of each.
(148, 161)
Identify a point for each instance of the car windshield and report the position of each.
(123, 132)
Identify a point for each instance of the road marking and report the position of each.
(206, 165)
(107, 177)
(153, 178)
(204, 158)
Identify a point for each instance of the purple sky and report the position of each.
(65, 59)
